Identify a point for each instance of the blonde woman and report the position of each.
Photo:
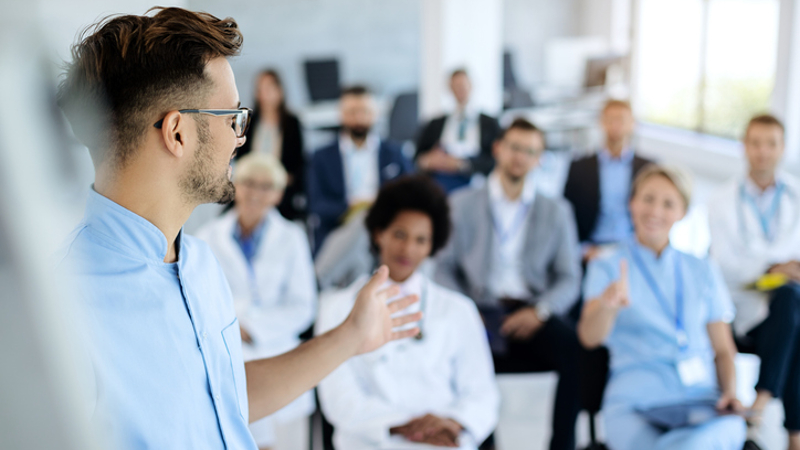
(665, 317)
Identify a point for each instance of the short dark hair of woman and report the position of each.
(411, 193)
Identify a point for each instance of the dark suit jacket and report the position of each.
(327, 196)
(293, 205)
(583, 191)
(489, 130)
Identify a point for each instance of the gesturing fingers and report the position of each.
(408, 318)
(397, 335)
(377, 280)
(402, 303)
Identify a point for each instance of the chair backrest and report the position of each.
(509, 80)
(594, 367)
(403, 120)
(322, 79)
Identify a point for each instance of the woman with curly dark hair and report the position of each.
(438, 388)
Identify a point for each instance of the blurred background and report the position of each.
(694, 70)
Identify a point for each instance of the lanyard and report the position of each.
(766, 217)
(519, 219)
(680, 327)
(423, 299)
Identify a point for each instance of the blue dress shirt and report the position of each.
(163, 338)
(613, 220)
(643, 342)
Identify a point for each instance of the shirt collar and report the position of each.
(469, 111)
(371, 144)
(138, 235)
(258, 231)
(648, 254)
(496, 193)
(625, 157)
(412, 285)
(754, 191)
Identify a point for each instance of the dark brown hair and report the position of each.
(764, 119)
(411, 193)
(616, 103)
(459, 71)
(357, 90)
(128, 71)
(520, 124)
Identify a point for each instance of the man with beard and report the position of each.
(155, 100)
(515, 252)
(346, 175)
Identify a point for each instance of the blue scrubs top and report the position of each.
(643, 343)
(163, 338)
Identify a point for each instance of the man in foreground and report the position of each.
(154, 99)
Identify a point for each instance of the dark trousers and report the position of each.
(553, 348)
(777, 343)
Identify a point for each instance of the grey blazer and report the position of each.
(551, 257)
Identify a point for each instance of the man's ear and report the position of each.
(495, 148)
(173, 132)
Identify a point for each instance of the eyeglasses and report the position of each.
(241, 119)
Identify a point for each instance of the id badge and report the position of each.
(692, 371)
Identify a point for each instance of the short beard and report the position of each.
(200, 184)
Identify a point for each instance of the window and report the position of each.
(705, 65)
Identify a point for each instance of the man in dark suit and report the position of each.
(598, 186)
(345, 176)
(454, 147)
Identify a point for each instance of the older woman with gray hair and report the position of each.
(267, 262)
(665, 317)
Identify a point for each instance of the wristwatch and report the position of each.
(543, 312)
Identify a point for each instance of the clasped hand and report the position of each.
(430, 429)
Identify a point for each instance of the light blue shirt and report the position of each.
(163, 338)
(614, 220)
(643, 342)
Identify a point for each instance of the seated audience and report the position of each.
(268, 265)
(345, 176)
(345, 255)
(664, 316)
(515, 252)
(454, 147)
(276, 131)
(437, 388)
(755, 231)
(598, 186)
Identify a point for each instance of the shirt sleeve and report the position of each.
(720, 304)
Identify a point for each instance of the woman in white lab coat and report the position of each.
(437, 388)
(267, 262)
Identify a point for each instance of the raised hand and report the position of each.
(616, 294)
(371, 320)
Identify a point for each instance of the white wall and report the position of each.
(377, 42)
(461, 34)
(529, 24)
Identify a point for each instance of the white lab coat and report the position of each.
(284, 276)
(744, 254)
(449, 373)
